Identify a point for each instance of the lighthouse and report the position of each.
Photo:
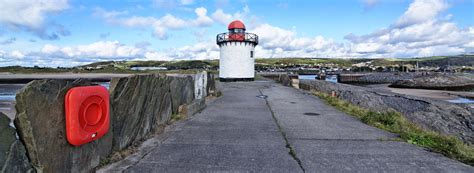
(237, 53)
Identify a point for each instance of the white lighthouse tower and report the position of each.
(237, 61)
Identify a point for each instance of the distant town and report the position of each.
(460, 63)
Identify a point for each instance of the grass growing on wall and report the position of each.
(394, 122)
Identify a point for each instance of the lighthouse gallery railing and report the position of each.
(242, 37)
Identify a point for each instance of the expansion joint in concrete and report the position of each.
(292, 151)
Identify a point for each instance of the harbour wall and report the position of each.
(140, 106)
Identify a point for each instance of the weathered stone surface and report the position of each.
(211, 84)
(139, 104)
(440, 116)
(194, 107)
(200, 84)
(388, 77)
(12, 151)
(439, 81)
(41, 126)
(182, 91)
(284, 79)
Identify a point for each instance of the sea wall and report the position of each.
(443, 117)
(140, 106)
(388, 77)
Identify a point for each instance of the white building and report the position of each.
(237, 61)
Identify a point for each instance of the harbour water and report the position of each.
(333, 78)
(8, 93)
(330, 78)
(462, 100)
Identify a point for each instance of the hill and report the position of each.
(260, 64)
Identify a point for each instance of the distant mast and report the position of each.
(237, 51)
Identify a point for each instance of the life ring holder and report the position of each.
(87, 114)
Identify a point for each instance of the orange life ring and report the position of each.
(87, 114)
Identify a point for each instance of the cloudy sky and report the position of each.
(72, 32)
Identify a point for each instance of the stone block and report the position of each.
(41, 126)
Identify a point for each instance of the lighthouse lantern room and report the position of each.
(237, 51)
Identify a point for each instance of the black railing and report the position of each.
(237, 37)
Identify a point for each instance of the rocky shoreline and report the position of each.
(438, 82)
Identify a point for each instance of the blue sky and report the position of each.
(68, 33)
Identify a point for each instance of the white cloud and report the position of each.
(101, 49)
(413, 34)
(421, 11)
(53, 55)
(202, 19)
(30, 15)
(278, 42)
(223, 18)
(420, 31)
(160, 25)
(17, 54)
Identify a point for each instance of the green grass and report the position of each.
(176, 117)
(394, 122)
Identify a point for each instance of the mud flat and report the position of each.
(426, 93)
(455, 82)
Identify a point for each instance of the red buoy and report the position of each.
(87, 114)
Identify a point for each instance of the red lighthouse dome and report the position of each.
(236, 24)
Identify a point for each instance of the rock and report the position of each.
(285, 80)
(445, 82)
(443, 117)
(211, 84)
(12, 151)
(41, 126)
(182, 92)
(388, 77)
(195, 107)
(139, 104)
(200, 83)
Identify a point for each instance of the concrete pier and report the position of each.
(262, 126)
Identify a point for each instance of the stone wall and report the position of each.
(12, 151)
(148, 105)
(443, 117)
(139, 105)
(284, 79)
(388, 77)
(41, 126)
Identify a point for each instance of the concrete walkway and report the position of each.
(287, 131)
